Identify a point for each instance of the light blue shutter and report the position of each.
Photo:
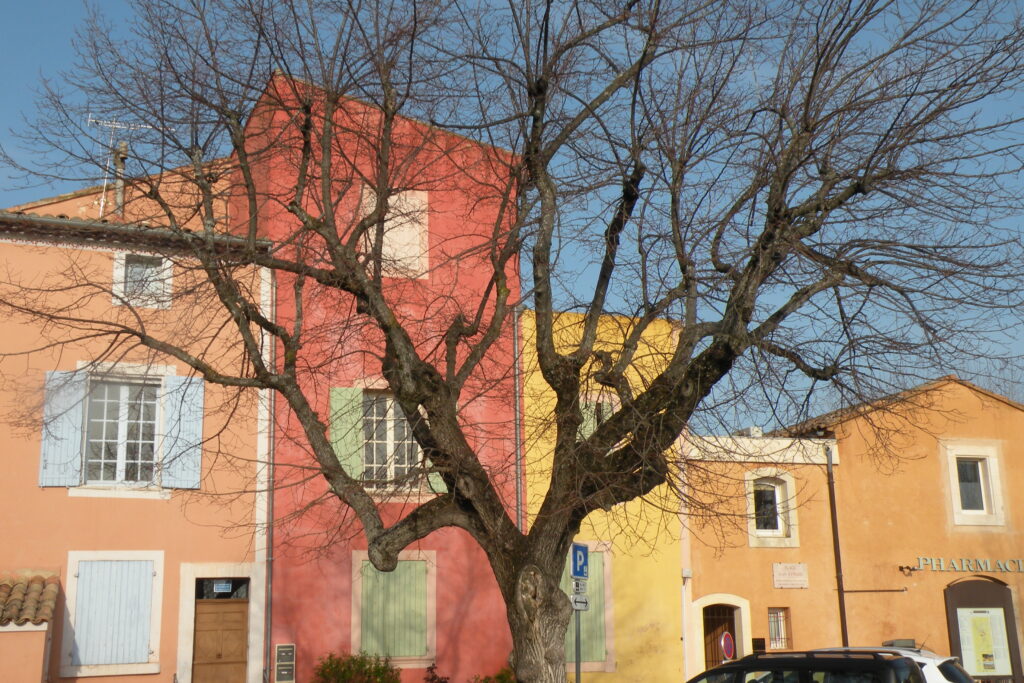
(592, 639)
(112, 612)
(60, 463)
(393, 610)
(182, 457)
(346, 427)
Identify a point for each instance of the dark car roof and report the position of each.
(816, 661)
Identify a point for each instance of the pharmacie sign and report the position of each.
(969, 564)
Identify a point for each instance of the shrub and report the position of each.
(360, 668)
(503, 676)
(434, 677)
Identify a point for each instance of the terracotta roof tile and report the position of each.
(28, 599)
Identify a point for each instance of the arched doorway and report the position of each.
(718, 619)
(983, 629)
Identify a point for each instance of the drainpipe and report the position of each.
(836, 552)
(270, 301)
(517, 417)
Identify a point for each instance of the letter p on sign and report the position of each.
(578, 567)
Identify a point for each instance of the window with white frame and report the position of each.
(120, 442)
(394, 612)
(373, 441)
(975, 485)
(142, 280)
(771, 508)
(112, 619)
(390, 455)
(403, 239)
(122, 427)
(778, 628)
(767, 517)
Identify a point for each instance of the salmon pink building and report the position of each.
(446, 197)
(122, 559)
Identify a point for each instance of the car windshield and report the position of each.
(952, 670)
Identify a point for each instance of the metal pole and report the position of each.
(579, 650)
(836, 553)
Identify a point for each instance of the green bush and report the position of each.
(360, 668)
(503, 676)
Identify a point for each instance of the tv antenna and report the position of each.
(115, 158)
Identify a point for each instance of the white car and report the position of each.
(936, 668)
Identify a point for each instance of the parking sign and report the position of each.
(579, 568)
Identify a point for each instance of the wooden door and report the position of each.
(717, 620)
(221, 641)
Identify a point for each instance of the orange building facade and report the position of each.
(123, 555)
(927, 530)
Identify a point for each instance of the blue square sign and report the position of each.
(578, 567)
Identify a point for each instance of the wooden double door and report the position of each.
(221, 640)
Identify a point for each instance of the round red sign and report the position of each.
(728, 645)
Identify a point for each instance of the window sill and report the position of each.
(119, 492)
(109, 670)
(412, 662)
(757, 541)
(961, 518)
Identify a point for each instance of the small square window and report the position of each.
(142, 280)
(766, 506)
(974, 484)
(970, 476)
(404, 234)
(771, 509)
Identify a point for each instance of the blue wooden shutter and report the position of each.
(60, 463)
(393, 610)
(113, 606)
(592, 638)
(182, 456)
(346, 427)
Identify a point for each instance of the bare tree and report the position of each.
(817, 193)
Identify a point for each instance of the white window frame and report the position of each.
(787, 535)
(71, 597)
(416, 481)
(428, 556)
(128, 373)
(164, 277)
(783, 620)
(412, 209)
(988, 454)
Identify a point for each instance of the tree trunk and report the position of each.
(538, 616)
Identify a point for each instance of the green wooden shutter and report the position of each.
(347, 428)
(589, 424)
(591, 621)
(393, 610)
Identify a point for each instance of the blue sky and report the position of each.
(37, 38)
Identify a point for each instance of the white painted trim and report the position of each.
(165, 277)
(428, 556)
(25, 628)
(125, 491)
(608, 665)
(990, 452)
(789, 535)
(156, 612)
(115, 369)
(188, 573)
(695, 627)
(763, 450)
